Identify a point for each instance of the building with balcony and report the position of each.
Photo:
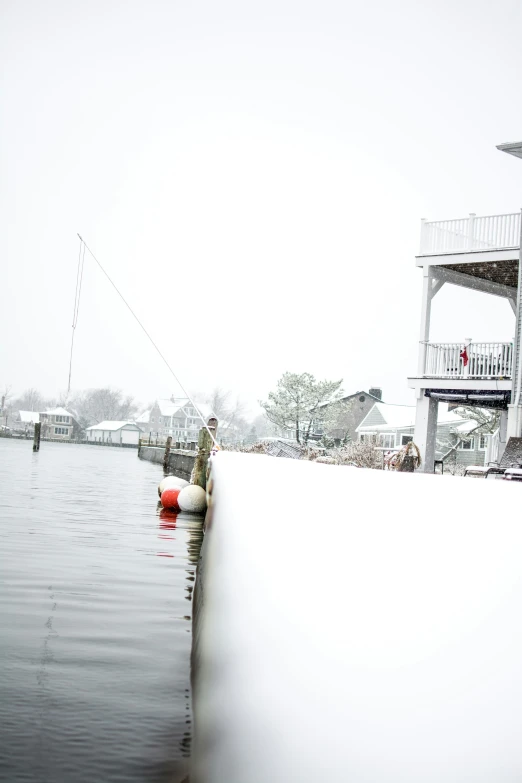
(481, 254)
(59, 424)
(176, 417)
(390, 427)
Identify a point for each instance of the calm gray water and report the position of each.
(95, 618)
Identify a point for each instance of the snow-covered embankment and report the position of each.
(358, 626)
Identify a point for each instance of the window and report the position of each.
(63, 419)
(387, 440)
(406, 439)
(483, 442)
(362, 398)
(61, 430)
(467, 445)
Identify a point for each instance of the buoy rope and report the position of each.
(185, 392)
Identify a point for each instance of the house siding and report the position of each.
(359, 406)
(374, 417)
(52, 421)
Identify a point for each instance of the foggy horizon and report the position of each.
(253, 179)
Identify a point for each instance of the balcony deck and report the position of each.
(471, 235)
(473, 361)
(475, 252)
(481, 367)
(484, 247)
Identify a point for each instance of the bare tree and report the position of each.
(361, 454)
(96, 405)
(5, 397)
(264, 427)
(5, 407)
(230, 413)
(31, 400)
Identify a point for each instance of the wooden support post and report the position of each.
(36, 441)
(167, 453)
(205, 445)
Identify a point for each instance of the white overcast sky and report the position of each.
(252, 175)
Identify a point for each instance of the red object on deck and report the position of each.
(464, 356)
(169, 498)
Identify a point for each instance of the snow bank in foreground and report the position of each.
(360, 626)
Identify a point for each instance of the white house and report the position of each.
(481, 254)
(25, 420)
(177, 417)
(393, 426)
(118, 433)
(59, 424)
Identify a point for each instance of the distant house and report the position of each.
(230, 432)
(142, 420)
(118, 433)
(24, 421)
(59, 424)
(177, 417)
(393, 426)
(355, 408)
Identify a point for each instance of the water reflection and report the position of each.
(96, 637)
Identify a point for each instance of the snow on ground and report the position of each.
(360, 626)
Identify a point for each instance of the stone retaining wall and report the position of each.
(181, 462)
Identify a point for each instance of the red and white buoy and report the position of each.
(193, 499)
(171, 481)
(169, 498)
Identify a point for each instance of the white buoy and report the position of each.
(171, 482)
(193, 499)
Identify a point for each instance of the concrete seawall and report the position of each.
(180, 462)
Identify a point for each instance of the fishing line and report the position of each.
(77, 294)
(111, 281)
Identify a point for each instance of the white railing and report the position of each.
(484, 360)
(465, 235)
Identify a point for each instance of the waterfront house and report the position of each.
(393, 426)
(177, 417)
(117, 433)
(24, 421)
(481, 254)
(142, 420)
(59, 424)
(353, 409)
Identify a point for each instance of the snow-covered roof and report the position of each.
(144, 417)
(58, 412)
(113, 425)
(29, 417)
(465, 426)
(397, 416)
(346, 397)
(171, 407)
(205, 410)
(392, 415)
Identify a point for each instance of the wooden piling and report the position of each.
(36, 440)
(167, 453)
(205, 445)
